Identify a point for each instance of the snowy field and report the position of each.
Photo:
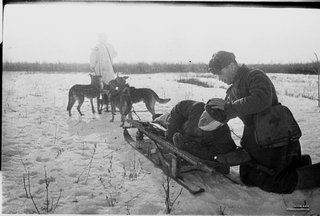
(91, 170)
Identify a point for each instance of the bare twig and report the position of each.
(134, 197)
(24, 165)
(53, 209)
(47, 180)
(90, 163)
(47, 189)
(31, 197)
(23, 176)
(166, 188)
(24, 185)
(55, 135)
(167, 194)
(110, 164)
(177, 197)
(78, 179)
(110, 152)
(127, 202)
(110, 200)
(102, 183)
(51, 204)
(221, 211)
(127, 208)
(88, 166)
(124, 170)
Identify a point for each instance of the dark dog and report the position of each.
(120, 98)
(117, 83)
(79, 92)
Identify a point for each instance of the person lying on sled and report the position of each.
(211, 139)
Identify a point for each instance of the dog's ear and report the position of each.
(125, 77)
(106, 87)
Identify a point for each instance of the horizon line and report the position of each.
(150, 63)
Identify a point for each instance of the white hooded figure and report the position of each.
(101, 59)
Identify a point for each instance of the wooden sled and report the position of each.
(172, 161)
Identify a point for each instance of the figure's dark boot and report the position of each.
(305, 160)
(308, 176)
(236, 157)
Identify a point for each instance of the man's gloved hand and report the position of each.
(216, 103)
(217, 114)
(215, 108)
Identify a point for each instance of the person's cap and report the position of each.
(207, 123)
(220, 60)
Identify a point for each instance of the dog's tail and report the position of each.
(70, 98)
(161, 100)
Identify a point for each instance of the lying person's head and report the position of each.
(211, 118)
(207, 123)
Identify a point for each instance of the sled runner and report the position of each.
(172, 161)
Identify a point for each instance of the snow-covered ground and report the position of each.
(90, 168)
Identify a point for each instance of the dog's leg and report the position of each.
(112, 118)
(99, 105)
(113, 110)
(107, 102)
(92, 107)
(122, 120)
(150, 107)
(70, 104)
(80, 102)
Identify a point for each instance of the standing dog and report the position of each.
(117, 83)
(79, 92)
(120, 98)
(148, 96)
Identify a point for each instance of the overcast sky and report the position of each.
(66, 32)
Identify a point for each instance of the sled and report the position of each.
(172, 161)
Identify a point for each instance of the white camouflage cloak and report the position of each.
(101, 59)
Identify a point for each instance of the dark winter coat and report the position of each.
(184, 118)
(252, 92)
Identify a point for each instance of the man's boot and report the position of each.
(305, 160)
(308, 176)
(236, 157)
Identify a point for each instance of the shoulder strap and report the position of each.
(109, 57)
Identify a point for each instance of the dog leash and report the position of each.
(136, 113)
